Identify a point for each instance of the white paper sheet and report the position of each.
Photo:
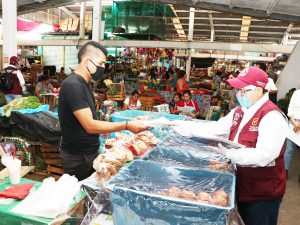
(51, 199)
(294, 137)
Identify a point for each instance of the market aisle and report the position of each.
(290, 208)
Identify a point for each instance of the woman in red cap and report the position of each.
(16, 78)
(261, 128)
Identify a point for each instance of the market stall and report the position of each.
(200, 97)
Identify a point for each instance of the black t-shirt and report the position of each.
(75, 93)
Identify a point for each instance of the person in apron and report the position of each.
(187, 106)
(132, 102)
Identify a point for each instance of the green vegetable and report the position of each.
(2, 99)
(112, 91)
(30, 102)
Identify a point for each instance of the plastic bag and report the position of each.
(41, 126)
(13, 166)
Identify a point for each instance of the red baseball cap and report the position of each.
(250, 76)
(14, 60)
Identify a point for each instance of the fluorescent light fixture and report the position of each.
(177, 24)
(245, 28)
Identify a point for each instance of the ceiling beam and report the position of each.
(271, 7)
(191, 24)
(249, 37)
(234, 25)
(237, 31)
(212, 29)
(198, 11)
(35, 6)
(239, 47)
(68, 12)
(227, 19)
(285, 38)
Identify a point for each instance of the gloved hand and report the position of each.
(220, 149)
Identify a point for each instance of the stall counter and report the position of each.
(7, 217)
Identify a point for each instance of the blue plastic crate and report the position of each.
(132, 195)
(128, 115)
(184, 157)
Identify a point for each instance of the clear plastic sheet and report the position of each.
(189, 158)
(182, 142)
(97, 200)
(128, 115)
(136, 195)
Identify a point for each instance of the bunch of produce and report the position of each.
(219, 197)
(30, 102)
(109, 163)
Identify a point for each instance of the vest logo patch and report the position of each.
(254, 121)
(236, 118)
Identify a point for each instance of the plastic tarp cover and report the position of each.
(138, 195)
(178, 141)
(128, 115)
(42, 126)
(5, 126)
(189, 158)
(42, 108)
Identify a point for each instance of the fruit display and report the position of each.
(219, 197)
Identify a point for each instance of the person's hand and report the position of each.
(177, 111)
(219, 150)
(296, 127)
(192, 115)
(136, 127)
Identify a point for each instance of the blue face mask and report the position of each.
(245, 102)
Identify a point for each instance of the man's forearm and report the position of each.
(103, 127)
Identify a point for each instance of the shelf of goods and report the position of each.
(198, 73)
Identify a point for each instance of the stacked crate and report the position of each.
(51, 157)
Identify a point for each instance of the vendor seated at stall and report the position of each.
(181, 85)
(43, 86)
(176, 98)
(187, 106)
(132, 102)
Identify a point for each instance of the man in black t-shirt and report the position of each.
(77, 114)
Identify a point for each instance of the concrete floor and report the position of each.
(290, 207)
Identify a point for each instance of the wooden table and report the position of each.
(51, 99)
